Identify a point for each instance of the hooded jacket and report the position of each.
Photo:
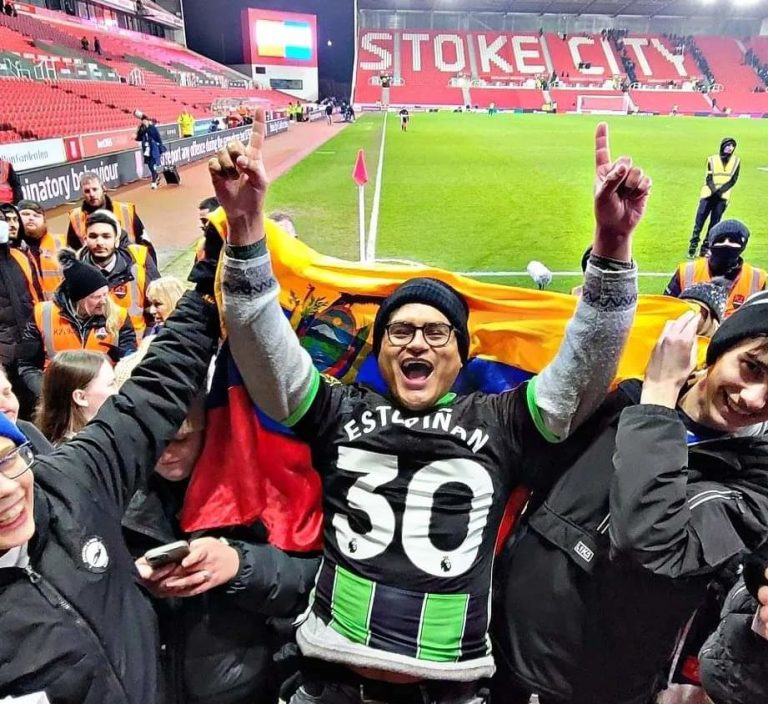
(32, 360)
(613, 562)
(75, 623)
(734, 660)
(218, 647)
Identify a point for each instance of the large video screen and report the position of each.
(279, 38)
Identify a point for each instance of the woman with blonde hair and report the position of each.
(162, 296)
(75, 386)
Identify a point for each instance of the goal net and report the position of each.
(603, 104)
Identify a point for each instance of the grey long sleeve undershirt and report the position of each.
(279, 375)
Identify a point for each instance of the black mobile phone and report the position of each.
(166, 554)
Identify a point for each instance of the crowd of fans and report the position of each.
(640, 503)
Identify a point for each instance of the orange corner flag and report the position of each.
(360, 174)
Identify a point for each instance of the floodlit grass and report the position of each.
(470, 192)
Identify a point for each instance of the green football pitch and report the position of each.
(481, 194)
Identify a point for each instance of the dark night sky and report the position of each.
(214, 29)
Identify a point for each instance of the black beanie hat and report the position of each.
(751, 320)
(80, 279)
(105, 217)
(734, 230)
(30, 205)
(431, 292)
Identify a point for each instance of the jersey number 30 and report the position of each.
(379, 469)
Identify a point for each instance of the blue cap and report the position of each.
(9, 430)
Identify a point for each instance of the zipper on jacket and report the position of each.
(54, 597)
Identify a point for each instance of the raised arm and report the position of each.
(575, 383)
(119, 448)
(277, 371)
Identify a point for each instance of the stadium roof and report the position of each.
(747, 9)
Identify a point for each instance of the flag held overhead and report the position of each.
(360, 173)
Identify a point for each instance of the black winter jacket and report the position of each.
(75, 623)
(608, 569)
(218, 647)
(15, 306)
(734, 660)
(32, 361)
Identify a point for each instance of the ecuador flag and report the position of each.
(252, 468)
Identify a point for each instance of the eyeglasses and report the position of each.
(9, 466)
(435, 334)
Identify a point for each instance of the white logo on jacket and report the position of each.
(584, 552)
(95, 555)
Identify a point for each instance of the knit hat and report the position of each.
(30, 205)
(9, 430)
(734, 230)
(80, 279)
(431, 292)
(713, 294)
(751, 320)
(104, 217)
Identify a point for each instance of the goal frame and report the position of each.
(614, 104)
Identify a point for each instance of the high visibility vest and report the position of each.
(721, 174)
(6, 192)
(30, 273)
(131, 296)
(49, 269)
(124, 212)
(59, 334)
(751, 280)
(218, 218)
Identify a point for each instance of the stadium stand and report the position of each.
(427, 67)
(50, 86)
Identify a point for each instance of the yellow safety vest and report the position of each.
(721, 174)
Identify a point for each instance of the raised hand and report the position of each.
(240, 181)
(621, 194)
(672, 361)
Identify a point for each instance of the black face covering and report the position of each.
(722, 260)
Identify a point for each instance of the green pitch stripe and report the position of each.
(442, 627)
(351, 605)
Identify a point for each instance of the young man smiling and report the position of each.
(412, 505)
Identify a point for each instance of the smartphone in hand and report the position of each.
(167, 554)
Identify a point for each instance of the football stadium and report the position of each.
(383, 351)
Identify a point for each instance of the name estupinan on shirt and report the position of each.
(441, 420)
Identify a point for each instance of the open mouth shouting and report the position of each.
(416, 373)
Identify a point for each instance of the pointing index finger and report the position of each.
(258, 131)
(602, 146)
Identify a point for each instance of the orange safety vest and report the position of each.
(58, 334)
(751, 280)
(49, 268)
(6, 192)
(124, 212)
(30, 273)
(131, 296)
